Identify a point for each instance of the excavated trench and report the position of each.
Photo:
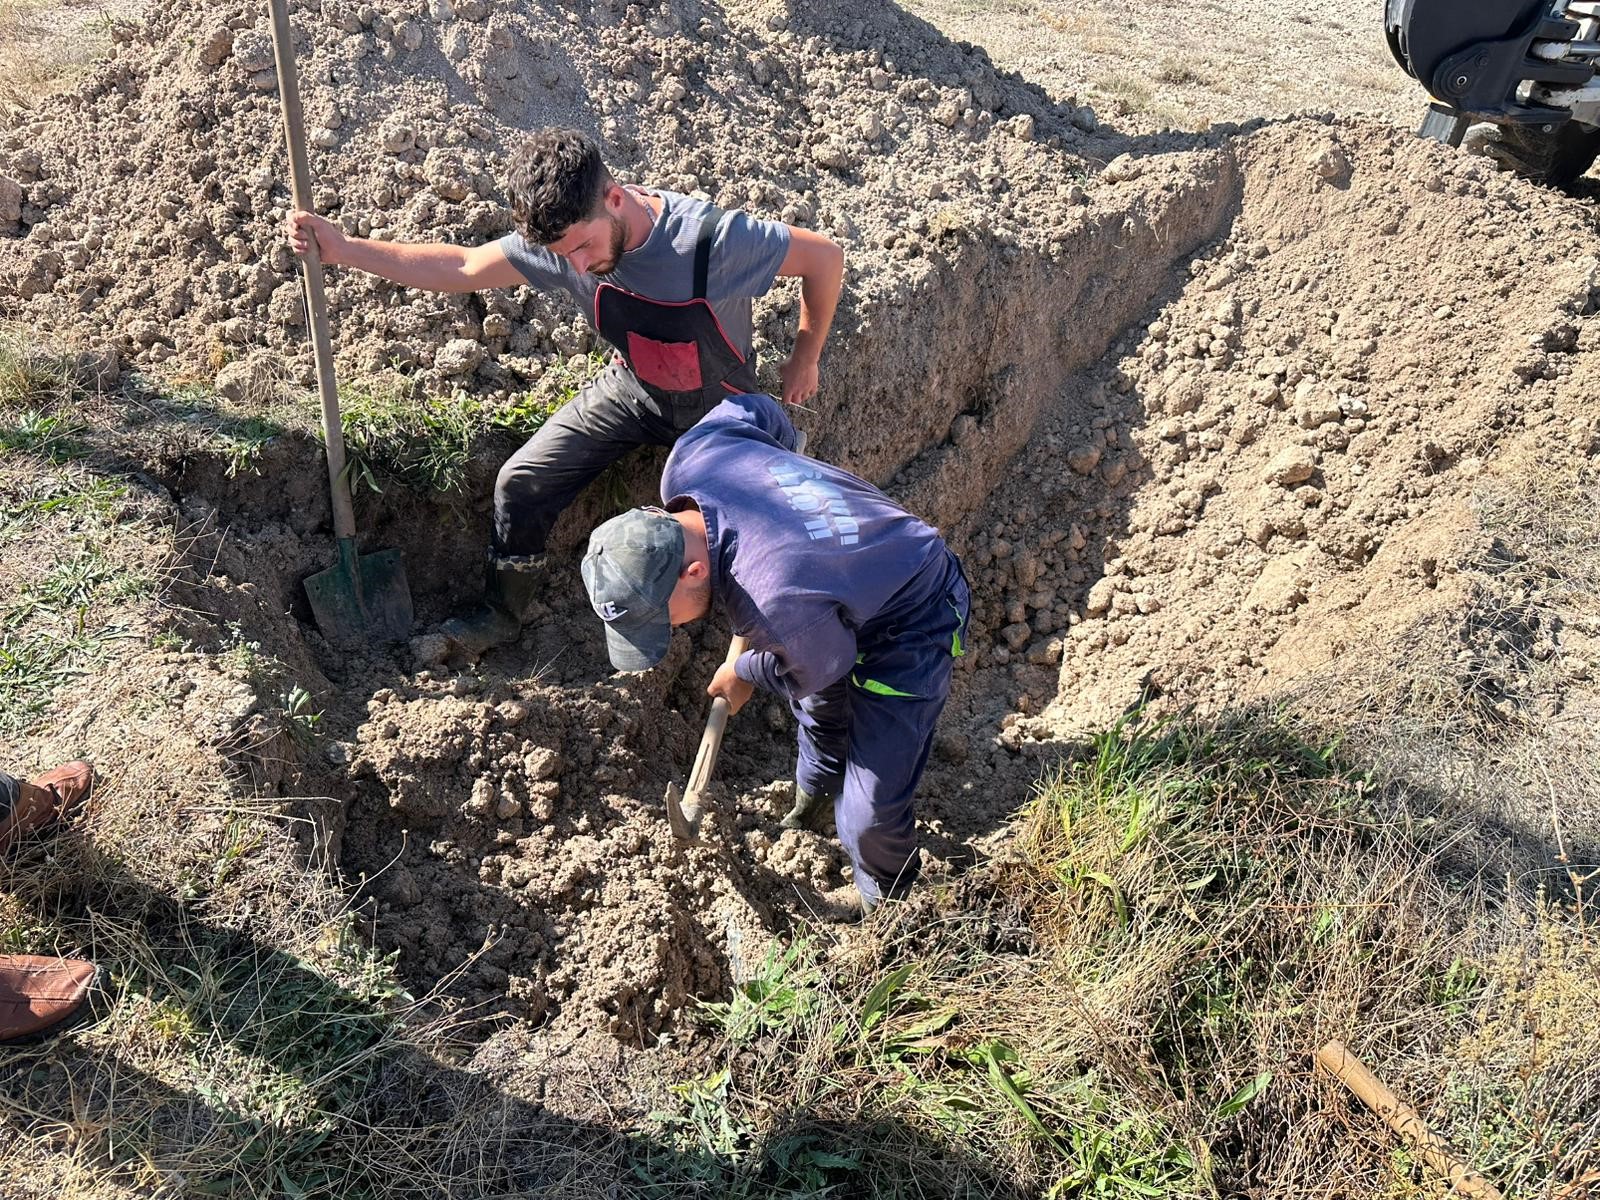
(505, 825)
(1178, 450)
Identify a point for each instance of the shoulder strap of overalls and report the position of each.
(702, 249)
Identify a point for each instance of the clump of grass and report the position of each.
(1524, 1087)
(1128, 1003)
(37, 57)
(244, 439)
(1136, 96)
(393, 435)
(53, 436)
(79, 565)
(1184, 71)
(32, 378)
(59, 625)
(422, 444)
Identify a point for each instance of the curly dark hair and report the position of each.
(555, 180)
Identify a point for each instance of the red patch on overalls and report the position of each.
(670, 366)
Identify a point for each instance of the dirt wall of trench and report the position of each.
(1215, 451)
(1191, 420)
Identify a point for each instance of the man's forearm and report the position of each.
(819, 297)
(434, 266)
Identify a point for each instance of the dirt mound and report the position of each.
(1283, 483)
(143, 209)
(1276, 486)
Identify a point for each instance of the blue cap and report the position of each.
(630, 572)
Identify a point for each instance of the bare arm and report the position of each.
(818, 262)
(434, 267)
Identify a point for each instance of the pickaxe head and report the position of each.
(683, 815)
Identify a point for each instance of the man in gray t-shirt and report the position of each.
(667, 279)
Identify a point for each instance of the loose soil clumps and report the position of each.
(144, 208)
(1329, 346)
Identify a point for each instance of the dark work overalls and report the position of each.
(674, 364)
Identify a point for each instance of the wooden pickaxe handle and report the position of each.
(1404, 1120)
(705, 761)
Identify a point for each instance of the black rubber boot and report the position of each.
(510, 588)
(809, 812)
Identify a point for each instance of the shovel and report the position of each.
(685, 808)
(363, 596)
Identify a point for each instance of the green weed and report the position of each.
(243, 658)
(56, 629)
(421, 444)
(52, 436)
(243, 440)
(169, 640)
(303, 722)
(81, 498)
(778, 995)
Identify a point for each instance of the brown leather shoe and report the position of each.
(45, 800)
(42, 996)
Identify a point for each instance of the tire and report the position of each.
(1557, 158)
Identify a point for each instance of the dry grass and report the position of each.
(1128, 1005)
(43, 46)
(1135, 95)
(1090, 31)
(1378, 75)
(1187, 70)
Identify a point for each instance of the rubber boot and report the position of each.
(510, 588)
(809, 812)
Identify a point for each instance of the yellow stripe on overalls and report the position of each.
(879, 689)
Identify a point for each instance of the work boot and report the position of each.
(809, 812)
(43, 801)
(42, 996)
(511, 585)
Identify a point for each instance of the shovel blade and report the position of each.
(362, 598)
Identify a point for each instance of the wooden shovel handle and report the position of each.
(1404, 1120)
(344, 518)
(705, 761)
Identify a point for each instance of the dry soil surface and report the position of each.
(1190, 65)
(1219, 423)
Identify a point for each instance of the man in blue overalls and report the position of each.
(667, 279)
(854, 608)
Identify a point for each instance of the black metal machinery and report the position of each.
(1527, 66)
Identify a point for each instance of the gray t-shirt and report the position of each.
(745, 257)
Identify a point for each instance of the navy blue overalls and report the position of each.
(864, 739)
(855, 610)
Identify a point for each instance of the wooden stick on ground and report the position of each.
(1405, 1121)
